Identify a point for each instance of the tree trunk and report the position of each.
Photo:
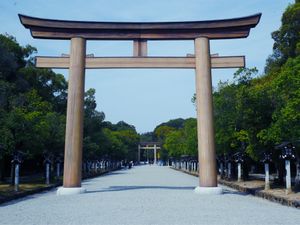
(297, 178)
(12, 174)
(245, 171)
(1, 169)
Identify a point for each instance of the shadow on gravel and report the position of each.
(129, 188)
(226, 192)
(12, 202)
(108, 174)
(91, 180)
(115, 173)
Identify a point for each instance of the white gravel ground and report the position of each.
(145, 195)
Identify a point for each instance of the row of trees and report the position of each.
(263, 111)
(33, 109)
(179, 137)
(252, 113)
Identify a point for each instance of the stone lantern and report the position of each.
(239, 159)
(16, 162)
(58, 161)
(287, 154)
(48, 161)
(266, 160)
(221, 160)
(229, 160)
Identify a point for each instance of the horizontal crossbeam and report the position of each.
(140, 62)
(212, 29)
(149, 148)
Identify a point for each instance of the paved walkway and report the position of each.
(145, 195)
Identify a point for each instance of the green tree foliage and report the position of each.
(263, 111)
(24, 112)
(121, 144)
(147, 137)
(286, 39)
(33, 109)
(161, 132)
(175, 123)
(189, 132)
(92, 129)
(121, 125)
(177, 140)
(285, 124)
(174, 144)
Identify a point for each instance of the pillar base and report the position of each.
(70, 191)
(208, 190)
(288, 191)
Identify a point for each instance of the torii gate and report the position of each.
(149, 146)
(199, 31)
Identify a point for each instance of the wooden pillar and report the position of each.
(74, 126)
(140, 48)
(205, 128)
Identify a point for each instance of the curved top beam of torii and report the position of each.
(212, 29)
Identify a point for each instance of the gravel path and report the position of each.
(145, 195)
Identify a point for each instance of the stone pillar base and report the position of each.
(208, 190)
(70, 191)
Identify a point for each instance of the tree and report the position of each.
(225, 116)
(286, 116)
(54, 129)
(94, 138)
(286, 39)
(175, 123)
(121, 144)
(27, 123)
(189, 132)
(174, 144)
(162, 131)
(121, 125)
(178, 141)
(147, 137)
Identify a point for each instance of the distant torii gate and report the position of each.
(149, 146)
(199, 31)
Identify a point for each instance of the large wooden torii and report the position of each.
(199, 31)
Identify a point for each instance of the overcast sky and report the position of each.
(145, 98)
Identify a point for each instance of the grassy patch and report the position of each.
(8, 191)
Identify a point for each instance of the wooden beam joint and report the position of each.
(140, 48)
